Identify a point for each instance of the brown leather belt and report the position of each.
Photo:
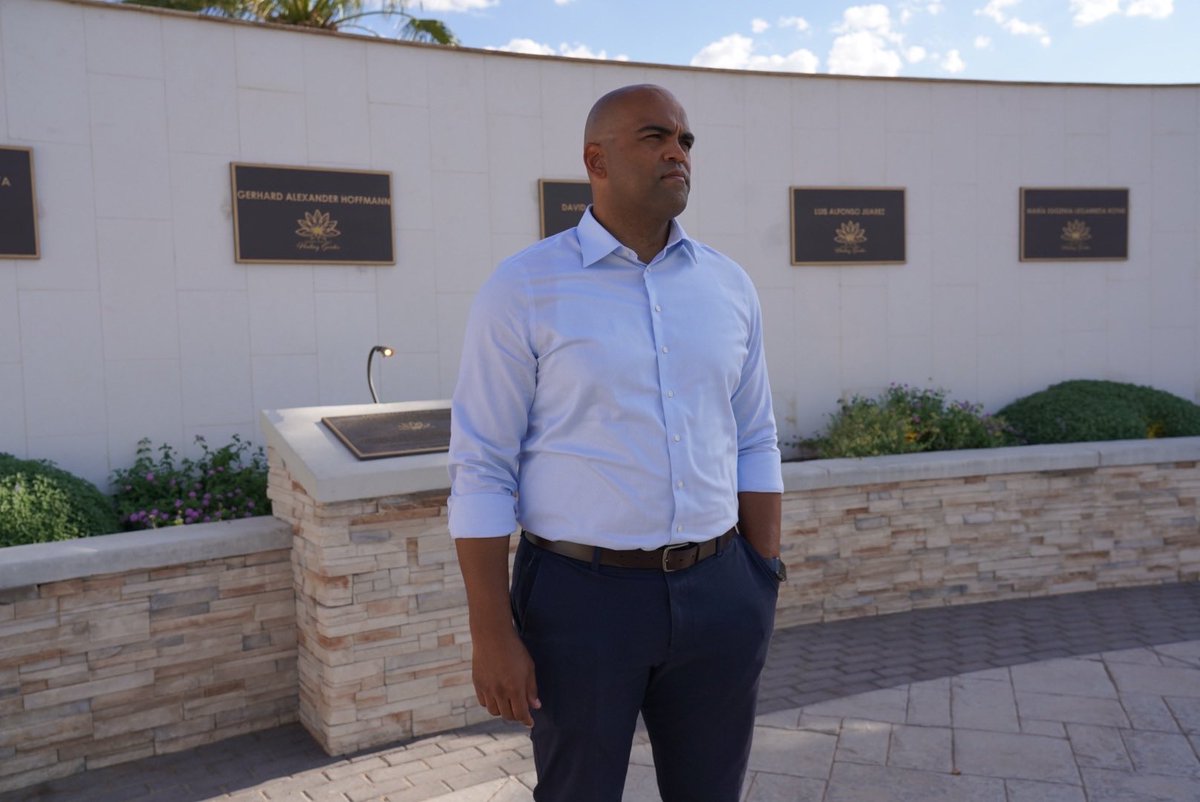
(667, 559)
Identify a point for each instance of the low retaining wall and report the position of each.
(351, 615)
(889, 534)
(124, 646)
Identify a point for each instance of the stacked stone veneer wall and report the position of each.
(114, 666)
(887, 547)
(383, 642)
(351, 616)
(383, 638)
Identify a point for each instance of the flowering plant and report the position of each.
(906, 419)
(230, 482)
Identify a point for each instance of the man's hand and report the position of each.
(504, 677)
(501, 666)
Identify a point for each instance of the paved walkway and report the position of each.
(1091, 697)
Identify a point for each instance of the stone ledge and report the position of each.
(826, 473)
(327, 470)
(39, 563)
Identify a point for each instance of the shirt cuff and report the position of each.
(760, 472)
(482, 515)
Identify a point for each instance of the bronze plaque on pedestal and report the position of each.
(562, 204)
(847, 225)
(18, 207)
(1074, 225)
(308, 215)
(393, 434)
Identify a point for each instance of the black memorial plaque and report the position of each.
(562, 204)
(393, 434)
(18, 207)
(311, 215)
(1074, 225)
(847, 225)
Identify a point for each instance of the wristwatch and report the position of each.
(777, 565)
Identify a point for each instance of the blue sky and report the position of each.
(1101, 41)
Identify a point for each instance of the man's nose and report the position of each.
(677, 152)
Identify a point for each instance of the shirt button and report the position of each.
(666, 350)
(679, 529)
(670, 393)
(676, 438)
(658, 307)
(679, 484)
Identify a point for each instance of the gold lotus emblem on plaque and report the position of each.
(850, 237)
(413, 426)
(1075, 235)
(316, 231)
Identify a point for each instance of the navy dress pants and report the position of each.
(685, 649)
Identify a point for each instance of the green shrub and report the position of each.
(906, 419)
(40, 502)
(1083, 410)
(228, 483)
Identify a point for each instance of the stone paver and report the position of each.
(889, 709)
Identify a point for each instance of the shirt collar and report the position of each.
(595, 241)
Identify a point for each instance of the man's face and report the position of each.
(649, 155)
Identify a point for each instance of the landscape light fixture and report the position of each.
(387, 351)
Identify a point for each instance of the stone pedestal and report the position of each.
(383, 644)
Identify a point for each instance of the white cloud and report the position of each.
(935, 8)
(875, 18)
(456, 5)
(865, 43)
(799, 23)
(863, 53)
(759, 25)
(561, 2)
(576, 50)
(1154, 9)
(1085, 12)
(983, 42)
(953, 62)
(527, 46)
(996, 11)
(736, 52)
(915, 54)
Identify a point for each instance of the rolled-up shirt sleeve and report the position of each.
(758, 466)
(490, 409)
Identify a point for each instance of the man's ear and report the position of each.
(594, 161)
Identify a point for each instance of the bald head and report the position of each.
(608, 110)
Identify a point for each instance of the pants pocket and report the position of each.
(525, 570)
(760, 563)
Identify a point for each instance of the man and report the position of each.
(613, 402)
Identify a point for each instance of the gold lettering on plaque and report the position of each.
(317, 230)
(1075, 235)
(850, 237)
(4, 182)
(413, 426)
(572, 207)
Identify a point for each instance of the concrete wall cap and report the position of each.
(39, 563)
(330, 473)
(818, 474)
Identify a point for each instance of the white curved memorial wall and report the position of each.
(136, 321)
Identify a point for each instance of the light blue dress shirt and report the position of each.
(608, 402)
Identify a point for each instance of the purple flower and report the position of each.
(150, 476)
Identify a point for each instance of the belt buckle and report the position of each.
(667, 551)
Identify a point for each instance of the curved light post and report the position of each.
(386, 351)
